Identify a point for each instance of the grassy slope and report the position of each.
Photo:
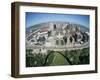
(58, 60)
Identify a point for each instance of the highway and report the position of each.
(59, 48)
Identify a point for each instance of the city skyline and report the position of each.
(37, 18)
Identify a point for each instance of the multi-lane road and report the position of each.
(60, 48)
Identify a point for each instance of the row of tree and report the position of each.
(74, 57)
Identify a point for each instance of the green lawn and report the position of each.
(58, 60)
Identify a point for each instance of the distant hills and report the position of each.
(47, 24)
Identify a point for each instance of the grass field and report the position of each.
(58, 60)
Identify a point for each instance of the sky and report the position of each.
(37, 18)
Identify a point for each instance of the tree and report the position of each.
(35, 60)
(84, 56)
